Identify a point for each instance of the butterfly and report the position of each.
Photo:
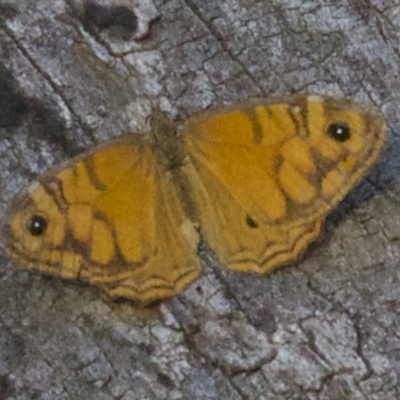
(256, 180)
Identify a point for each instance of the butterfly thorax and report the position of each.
(166, 141)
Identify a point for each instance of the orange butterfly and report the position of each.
(256, 180)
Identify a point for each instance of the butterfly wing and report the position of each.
(110, 218)
(265, 176)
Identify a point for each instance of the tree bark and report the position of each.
(75, 73)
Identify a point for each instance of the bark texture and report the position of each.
(75, 73)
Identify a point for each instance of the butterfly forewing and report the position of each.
(112, 219)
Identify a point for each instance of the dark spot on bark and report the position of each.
(165, 380)
(16, 110)
(45, 124)
(7, 11)
(6, 388)
(13, 106)
(118, 20)
(147, 348)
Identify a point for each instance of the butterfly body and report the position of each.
(256, 180)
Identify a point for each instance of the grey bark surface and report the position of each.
(326, 328)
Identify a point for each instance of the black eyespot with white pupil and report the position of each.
(37, 225)
(339, 131)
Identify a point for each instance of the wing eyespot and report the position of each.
(37, 225)
(339, 131)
